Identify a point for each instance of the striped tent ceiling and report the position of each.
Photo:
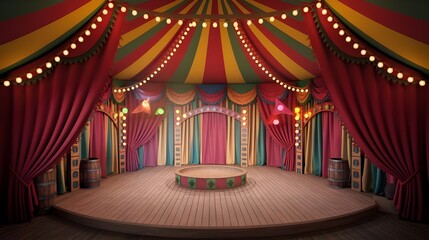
(215, 43)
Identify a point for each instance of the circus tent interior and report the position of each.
(137, 85)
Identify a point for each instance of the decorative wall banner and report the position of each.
(356, 172)
(323, 107)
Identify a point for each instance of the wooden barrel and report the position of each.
(46, 188)
(338, 174)
(90, 174)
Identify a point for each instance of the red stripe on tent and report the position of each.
(275, 67)
(166, 74)
(286, 49)
(214, 71)
(22, 25)
(140, 51)
(412, 27)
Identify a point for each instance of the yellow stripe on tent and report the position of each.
(199, 63)
(416, 51)
(42, 37)
(147, 58)
(232, 71)
(137, 32)
(295, 69)
(261, 6)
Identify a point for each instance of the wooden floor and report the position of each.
(272, 203)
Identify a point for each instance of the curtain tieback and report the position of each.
(410, 177)
(20, 178)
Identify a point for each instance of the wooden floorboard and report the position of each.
(273, 202)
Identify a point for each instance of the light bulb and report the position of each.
(284, 16)
(410, 79)
(6, 83)
(422, 82)
(134, 13)
(18, 80)
(272, 19)
(295, 12)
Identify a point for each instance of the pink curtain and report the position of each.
(150, 155)
(331, 139)
(97, 144)
(141, 127)
(274, 152)
(283, 133)
(214, 138)
(389, 121)
(41, 121)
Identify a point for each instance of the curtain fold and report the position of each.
(45, 119)
(387, 120)
(141, 127)
(284, 132)
(214, 138)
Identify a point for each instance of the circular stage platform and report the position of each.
(210, 177)
(273, 202)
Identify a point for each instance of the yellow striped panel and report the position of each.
(147, 58)
(200, 9)
(188, 7)
(292, 32)
(219, 7)
(261, 6)
(137, 32)
(13, 51)
(210, 7)
(295, 69)
(416, 52)
(243, 9)
(232, 71)
(169, 6)
(196, 73)
(228, 8)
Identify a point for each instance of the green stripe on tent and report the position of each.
(291, 42)
(51, 45)
(12, 9)
(186, 63)
(242, 62)
(138, 42)
(377, 45)
(414, 9)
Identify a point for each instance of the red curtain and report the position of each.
(274, 152)
(214, 138)
(389, 121)
(283, 133)
(41, 121)
(141, 127)
(97, 145)
(331, 140)
(150, 155)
